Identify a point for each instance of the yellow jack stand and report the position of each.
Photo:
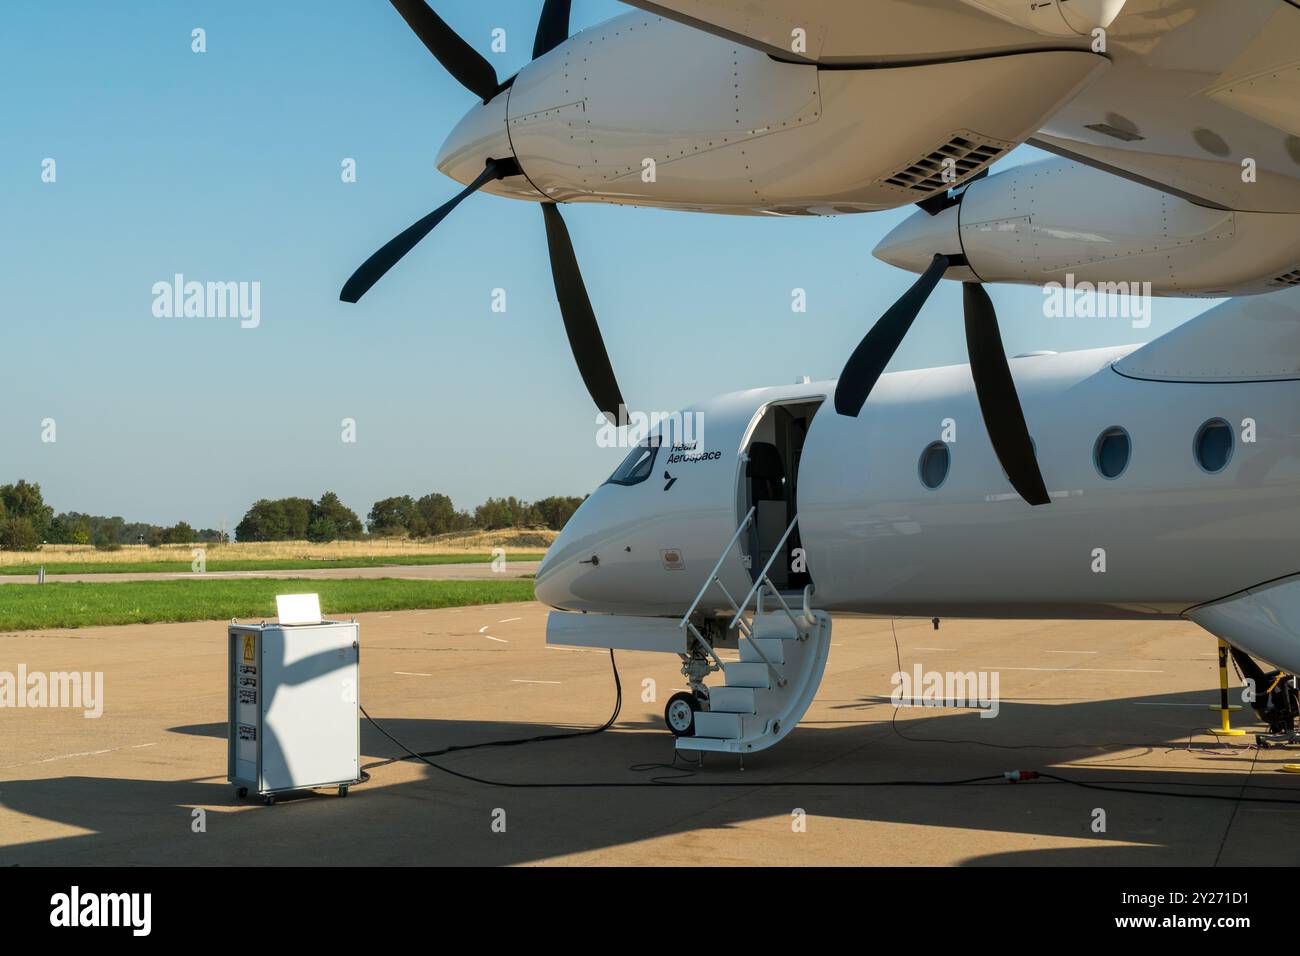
(1225, 728)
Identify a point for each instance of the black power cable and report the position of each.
(660, 782)
(511, 742)
(898, 659)
(424, 756)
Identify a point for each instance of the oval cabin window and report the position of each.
(1111, 452)
(934, 464)
(1214, 445)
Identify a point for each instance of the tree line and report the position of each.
(290, 519)
(27, 522)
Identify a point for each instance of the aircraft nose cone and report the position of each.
(571, 576)
(915, 241)
(479, 136)
(546, 586)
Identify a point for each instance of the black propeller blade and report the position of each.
(478, 76)
(579, 319)
(457, 57)
(879, 345)
(996, 390)
(374, 268)
(999, 403)
(552, 28)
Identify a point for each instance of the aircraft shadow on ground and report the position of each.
(439, 818)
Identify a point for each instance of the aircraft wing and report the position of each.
(854, 32)
(1202, 99)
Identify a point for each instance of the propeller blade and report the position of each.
(552, 28)
(999, 404)
(878, 346)
(457, 57)
(374, 268)
(579, 320)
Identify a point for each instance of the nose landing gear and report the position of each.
(679, 715)
(682, 707)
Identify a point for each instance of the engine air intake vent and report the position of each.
(965, 153)
(1291, 278)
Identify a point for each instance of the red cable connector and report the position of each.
(1012, 776)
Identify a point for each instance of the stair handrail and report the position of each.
(762, 575)
(713, 575)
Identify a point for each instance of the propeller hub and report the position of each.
(913, 243)
(479, 136)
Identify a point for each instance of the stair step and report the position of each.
(710, 723)
(775, 627)
(709, 744)
(747, 674)
(731, 700)
(772, 648)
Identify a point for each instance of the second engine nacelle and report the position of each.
(1063, 222)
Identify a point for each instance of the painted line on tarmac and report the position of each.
(84, 753)
(1074, 670)
(1162, 703)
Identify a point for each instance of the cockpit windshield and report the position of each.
(638, 464)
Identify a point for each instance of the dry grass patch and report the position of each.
(390, 549)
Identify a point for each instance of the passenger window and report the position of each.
(934, 464)
(1214, 445)
(1111, 453)
(638, 464)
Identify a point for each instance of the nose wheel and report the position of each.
(680, 713)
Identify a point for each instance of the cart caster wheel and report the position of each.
(679, 715)
(343, 791)
(269, 799)
(242, 792)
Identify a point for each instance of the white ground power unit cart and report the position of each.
(294, 712)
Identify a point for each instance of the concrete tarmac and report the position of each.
(1110, 704)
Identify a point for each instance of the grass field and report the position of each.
(183, 565)
(74, 604)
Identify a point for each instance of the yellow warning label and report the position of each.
(248, 648)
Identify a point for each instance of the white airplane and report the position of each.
(1176, 124)
(1173, 470)
(1180, 120)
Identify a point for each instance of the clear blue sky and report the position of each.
(225, 166)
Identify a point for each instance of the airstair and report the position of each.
(782, 657)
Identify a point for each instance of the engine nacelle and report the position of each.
(1058, 221)
(721, 127)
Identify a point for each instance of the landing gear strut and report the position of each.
(682, 707)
